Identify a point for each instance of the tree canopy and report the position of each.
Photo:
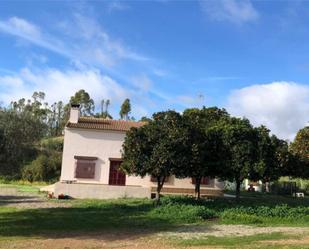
(125, 109)
(157, 148)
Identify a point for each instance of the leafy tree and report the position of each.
(84, 100)
(19, 133)
(145, 119)
(47, 165)
(204, 147)
(272, 154)
(157, 148)
(55, 120)
(125, 109)
(240, 145)
(104, 110)
(300, 153)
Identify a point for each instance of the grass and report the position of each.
(141, 217)
(234, 242)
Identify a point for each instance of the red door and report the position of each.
(116, 177)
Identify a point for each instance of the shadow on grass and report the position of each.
(15, 199)
(123, 220)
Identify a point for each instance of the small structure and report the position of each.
(91, 160)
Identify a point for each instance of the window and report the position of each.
(116, 176)
(204, 181)
(85, 169)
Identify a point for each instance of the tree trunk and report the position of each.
(238, 183)
(267, 186)
(160, 182)
(197, 188)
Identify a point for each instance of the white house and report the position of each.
(91, 159)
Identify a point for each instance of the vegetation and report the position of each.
(121, 215)
(205, 149)
(199, 143)
(157, 149)
(125, 109)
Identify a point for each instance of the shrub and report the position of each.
(182, 212)
(47, 165)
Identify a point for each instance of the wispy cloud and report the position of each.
(30, 32)
(235, 11)
(81, 39)
(117, 6)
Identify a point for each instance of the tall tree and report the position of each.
(270, 163)
(204, 148)
(157, 148)
(84, 100)
(125, 109)
(300, 149)
(19, 132)
(240, 145)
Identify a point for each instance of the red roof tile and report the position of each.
(104, 124)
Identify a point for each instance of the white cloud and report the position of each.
(61, 85)
(235, 11)
(80, 39)
(282, 106)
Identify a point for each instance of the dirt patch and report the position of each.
(11, 197)
(193, 231)
(300, 242)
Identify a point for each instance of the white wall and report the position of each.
(105, 145)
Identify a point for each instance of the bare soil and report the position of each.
(157, 241)
(193, 231)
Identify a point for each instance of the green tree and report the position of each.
(104, 109)
(19, 133)
(240, 146)
(204, 147)
(300, 154)
(157, 148)
(84, 100)
(271, 157)
(47, 165)
(125, 109)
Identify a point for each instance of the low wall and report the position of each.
(99, 191)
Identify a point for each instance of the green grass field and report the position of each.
(140, 216)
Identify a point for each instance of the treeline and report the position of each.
(209, 142)
(31, 130)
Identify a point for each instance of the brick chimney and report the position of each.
(74, 113)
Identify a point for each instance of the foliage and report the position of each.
(18, 133)
(125, 109)
(104, 110)
(186, 213)
(157, 148)
(47, 166)
(240, 143)
(300, 150)
(84, 100)
(205, 146)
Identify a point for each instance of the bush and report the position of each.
(47, 165)
(258, 213)
(43, 168)
(182, 212)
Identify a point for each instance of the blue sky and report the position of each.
(250, 57)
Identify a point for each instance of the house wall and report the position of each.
(105, 145)
(100, 144)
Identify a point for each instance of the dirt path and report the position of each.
(192, 231)
(11, 197)
(156, 241)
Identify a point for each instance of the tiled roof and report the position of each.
(104, 124)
